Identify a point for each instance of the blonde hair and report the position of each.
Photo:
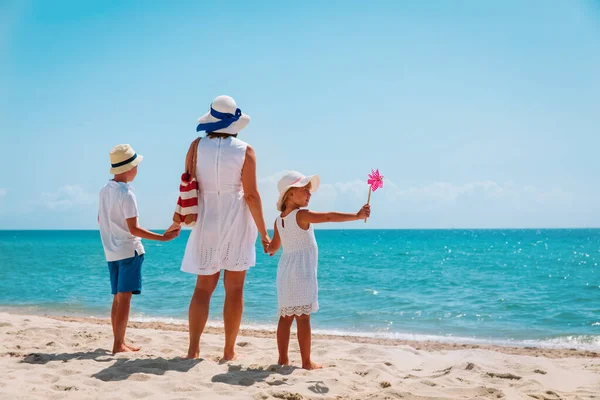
(285, 199)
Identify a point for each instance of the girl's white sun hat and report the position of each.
(223, 116)
(293, 179)
(123, 158)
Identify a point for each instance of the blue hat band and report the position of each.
(226, 120)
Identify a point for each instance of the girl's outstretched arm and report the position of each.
(275, 243)
(306, 217)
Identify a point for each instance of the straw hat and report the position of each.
(293, 179)
(123, 158)
(223, 116)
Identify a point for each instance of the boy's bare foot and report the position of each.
(283, 361)
(132, 347)
(311, 365)
(121, 349)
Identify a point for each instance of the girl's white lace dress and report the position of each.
(297, 289)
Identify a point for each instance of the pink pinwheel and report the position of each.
(375, 180)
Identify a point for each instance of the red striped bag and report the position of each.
(186, 211)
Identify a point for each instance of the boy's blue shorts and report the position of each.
(126, 275)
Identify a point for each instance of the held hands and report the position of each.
(172, 232)
(266, 241)
(364, 212)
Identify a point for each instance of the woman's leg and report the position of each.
(283, 338)
(304, 339)
(198, 312)
(232, 310)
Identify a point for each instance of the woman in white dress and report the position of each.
(229, 216)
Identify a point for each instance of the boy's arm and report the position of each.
(136, 230)
(306, 217)
(275, 243)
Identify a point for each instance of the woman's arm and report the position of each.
(275, 243)
(306, 217)
(253, 197)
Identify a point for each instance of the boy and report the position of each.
(122, 239)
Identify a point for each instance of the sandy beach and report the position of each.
(64, 357)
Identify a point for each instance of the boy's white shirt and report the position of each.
(118, 203)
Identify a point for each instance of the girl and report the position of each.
(297, 270)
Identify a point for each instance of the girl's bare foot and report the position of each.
(283, 361)
(121, 349)
(132, 347)
(229, 356)
(311, 365)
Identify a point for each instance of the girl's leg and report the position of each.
(198, 312)
(304, 339)
(283, 338)
(232, 310)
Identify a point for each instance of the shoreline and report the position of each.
(533, 346)
(426, 345)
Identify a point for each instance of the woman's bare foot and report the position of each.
(132, 347)
(311, 365)
(229, 356)
(121, 349)
(283, 361)
(192, 356)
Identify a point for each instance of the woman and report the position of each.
(229, 215)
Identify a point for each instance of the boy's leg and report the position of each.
(113, 315)
(283, 338)
(123, 302)
(304, 339)
(198, 311)
(129, 282)
(233, 281)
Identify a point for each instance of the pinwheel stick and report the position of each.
(369, 198)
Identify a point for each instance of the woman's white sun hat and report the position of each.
(123, 158)
(223, 116)
(293, 179)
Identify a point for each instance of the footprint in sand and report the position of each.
(503, 376)
(63, 388)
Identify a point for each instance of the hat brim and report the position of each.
(232, 129)
(127, 167)
(314, 180)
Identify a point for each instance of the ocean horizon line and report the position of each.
(341, 230)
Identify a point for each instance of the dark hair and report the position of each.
(220, 135)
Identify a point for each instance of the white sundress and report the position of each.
(297, 289)
(224, 236)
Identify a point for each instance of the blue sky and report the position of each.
(478, 114)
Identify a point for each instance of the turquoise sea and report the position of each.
(520, 287)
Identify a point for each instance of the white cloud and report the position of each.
(445, 204)
(66, 197)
